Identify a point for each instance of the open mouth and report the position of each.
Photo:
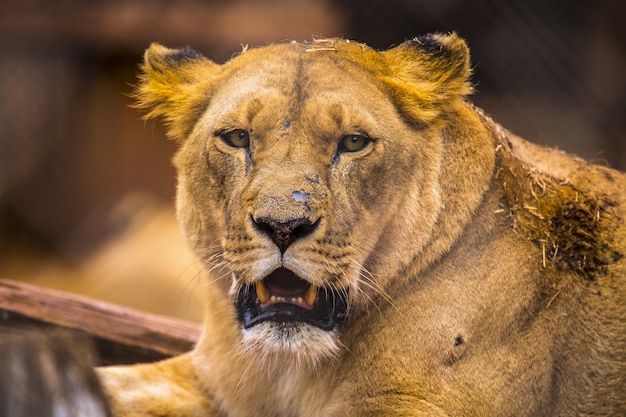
(282, 296)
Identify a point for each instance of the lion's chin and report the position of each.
(287, 321)
(291, 344)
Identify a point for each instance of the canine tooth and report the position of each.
(262, 292)
(311, 295)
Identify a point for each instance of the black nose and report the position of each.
(285, 233)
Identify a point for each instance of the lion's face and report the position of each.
(303, 183)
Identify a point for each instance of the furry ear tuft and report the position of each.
(427, 72)
(175, 84)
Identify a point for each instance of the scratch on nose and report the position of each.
(300, 196)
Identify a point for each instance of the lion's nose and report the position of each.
(285, 233)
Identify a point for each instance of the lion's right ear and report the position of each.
(175, 84)
(427, 72)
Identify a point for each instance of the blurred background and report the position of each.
(87, 188)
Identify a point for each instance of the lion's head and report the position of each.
(310, 174)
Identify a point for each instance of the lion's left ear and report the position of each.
(175, 84)
(427, 72)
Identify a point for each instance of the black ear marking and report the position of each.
(183, 56)
(429, 42)
(161, 59)
(433, 44)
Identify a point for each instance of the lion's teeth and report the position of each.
(311, 296)
(264, 295)
(262, 292)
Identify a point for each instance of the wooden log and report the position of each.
(121, 335)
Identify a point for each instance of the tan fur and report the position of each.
(485, 274)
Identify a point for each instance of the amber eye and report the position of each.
(237, 138)
(353, 143)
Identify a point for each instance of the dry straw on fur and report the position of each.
(569, 225)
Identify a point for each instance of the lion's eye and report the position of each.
(353, 143)
(237, 138)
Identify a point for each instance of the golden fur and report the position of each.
(483, 275)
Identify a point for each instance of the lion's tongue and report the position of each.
(283, 285)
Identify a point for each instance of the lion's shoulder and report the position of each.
(569, 207)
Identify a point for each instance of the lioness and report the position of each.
(377, 246)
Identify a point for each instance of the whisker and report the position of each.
(196, 281)
(368, 280)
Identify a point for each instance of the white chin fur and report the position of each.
(292, 344)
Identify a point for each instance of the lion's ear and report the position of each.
(175, 84)
(427, 72)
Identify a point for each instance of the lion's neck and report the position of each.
(469, 152)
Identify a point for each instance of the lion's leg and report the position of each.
(166, 389)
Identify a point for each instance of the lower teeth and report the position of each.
(263, 294)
